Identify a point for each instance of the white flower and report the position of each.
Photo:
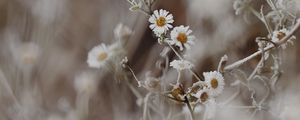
(180, 36)
(203, 96)
(86, 82)
(122, 31)
(99, 56)
(161, 21)
(152, 84)
(215, 82)
(181, 64)
(280, 34)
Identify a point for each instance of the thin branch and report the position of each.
(181, 58)
(269, 47)
(190, 107)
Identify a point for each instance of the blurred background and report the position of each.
(58, 34)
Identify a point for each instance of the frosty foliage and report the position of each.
(149, 59)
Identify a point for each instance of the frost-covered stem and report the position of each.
(195, 75)
(242, 61)
(144, 12)
(187, 102)
(82, 105)
(134, 76)
(268, 91)
(178, 55)
(205, 112)
(269, 47)
(222, 63)
(256, 69)
(255, 12)
(146, 106)
(138, 95)
(253, 114)
(134, 91)
(4, 81)
(241, 107)
(178, 77)
(264, 20)
(272, 5)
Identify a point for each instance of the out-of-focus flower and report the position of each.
(134, 5)
(215, 82)
(99, 56)
(289, 5)
(240, 6)
(279, 35)
(181, 64)
(122, 31)
(124, 62)
(152, 84)
(161, 21)
(86, 82)
(180, 36)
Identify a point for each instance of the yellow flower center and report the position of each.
(203, 97)
(161, 21)
(214, 83)
(281, 35)
(182, 38)
(102, 56)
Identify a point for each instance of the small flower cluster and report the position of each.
(201, 91)
(205, 91)
(180, 36)
(103, 56)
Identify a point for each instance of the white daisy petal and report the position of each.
(181, 35)
(98, 56)
(215, 82)
(181, 64)
(161, 21)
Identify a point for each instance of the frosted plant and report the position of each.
(180, 36)
(99, 56)
(181, 64)
(205, 91)
(161, 21)
(215, 82)
(38, 82)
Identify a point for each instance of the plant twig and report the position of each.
(187, 102)
(267, 48)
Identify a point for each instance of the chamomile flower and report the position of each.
(215, 82)
(180, 36)
(161, 21)
(181, 64)
(279, 35)
(99, 56)
(203, 96)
